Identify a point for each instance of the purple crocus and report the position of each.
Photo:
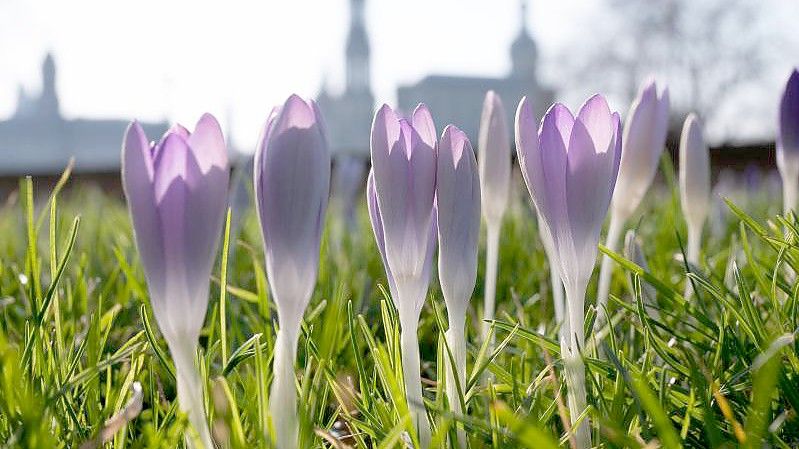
(458, 212)
(788, 142)
(694, 184)
(494, 163)
(377, 228)
(292, 184)
(404, 179)
(177, 196)
(642, 144)
(570, 168)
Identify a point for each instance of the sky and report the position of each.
(173, 60)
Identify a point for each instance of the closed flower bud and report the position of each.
(694, 182)
(404, 179)
(642, 144)
(570, 168)
(788, 141)
(177, 196)
(494, 164)
(458, 211)
(494, 158)
(292, 184)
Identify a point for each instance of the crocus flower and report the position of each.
(570, 168)
(404, 167)
(495, 161)
(177, 196)
(788, 142)
(694, 183)
(642, 143)
(458, 201)
(292, 183)
(377, 228)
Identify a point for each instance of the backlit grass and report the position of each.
(717, 369)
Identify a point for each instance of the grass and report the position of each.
(718, 369)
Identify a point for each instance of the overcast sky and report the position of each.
(158, 59)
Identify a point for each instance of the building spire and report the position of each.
(48, 99)
(523, 50)
(357, 50)
(523, 15)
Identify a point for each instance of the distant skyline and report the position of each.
(174, 60)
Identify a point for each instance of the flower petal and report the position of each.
(292, 187)
(208, 144)
(458, 212)
(595, 115)
(789, 115)
(494, 157)
(694, 171)
(377, 228)
(137, 181)
(422, 122)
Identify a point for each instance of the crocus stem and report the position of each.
(790, 193)
(492, 257)
(557, 294)
(694, 245)
(190, 393)
(574, 368)
(283, 397)
(456, 341)
(411, 370)
(605, 272)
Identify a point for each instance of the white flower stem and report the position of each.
(190, 393)
(283, 397)
(603, 291)
(557, 294)
(790, 193)
(411, 370)
(492, 258)
(574, 368)
(694, 245)
(456, 341)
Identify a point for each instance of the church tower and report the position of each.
(523, 51)
(48, 100)
(357, 50)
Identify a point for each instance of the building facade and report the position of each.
(459, 99)
(451, 98)
(38, 140)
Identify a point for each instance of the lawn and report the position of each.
(79, 344)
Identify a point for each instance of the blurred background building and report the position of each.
(725, 59)
(451, 98)
(459, 99)
(38, 140)
(349, 116)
